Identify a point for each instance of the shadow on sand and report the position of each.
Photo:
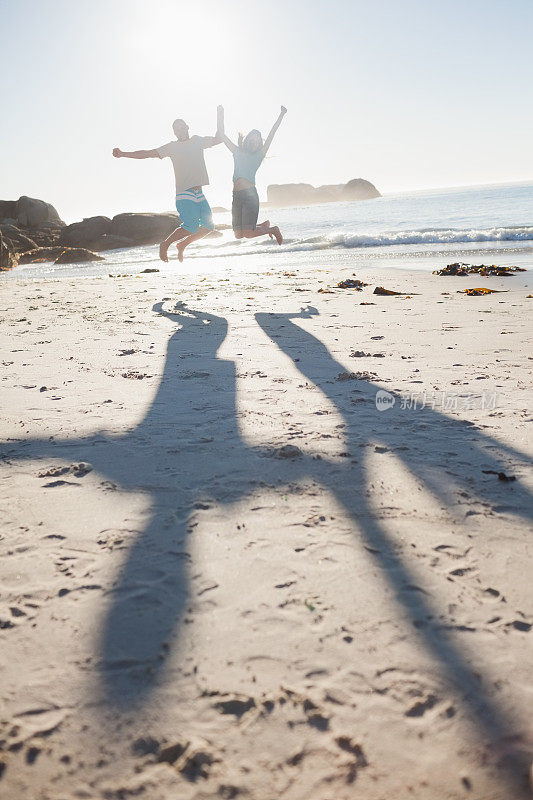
(151, 591)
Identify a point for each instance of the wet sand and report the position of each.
(227, 571)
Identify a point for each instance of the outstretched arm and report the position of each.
(118, 153)
(274, 129)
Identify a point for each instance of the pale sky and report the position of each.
(409, 94)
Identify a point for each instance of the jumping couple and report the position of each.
(187, 156)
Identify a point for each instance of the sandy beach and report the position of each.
(229, 572)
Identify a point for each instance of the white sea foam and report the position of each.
(350, 240)
(433, 236)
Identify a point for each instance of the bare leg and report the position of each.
(265, 224)
(179, 233)
(192, 237)
(261, 231)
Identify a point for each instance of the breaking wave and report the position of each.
(432, 236)
(350, 240)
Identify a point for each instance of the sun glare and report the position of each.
(196, 43)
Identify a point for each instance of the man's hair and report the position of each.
(179, 120)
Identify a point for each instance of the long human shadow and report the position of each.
(167, 457)
(413, 438)
(181, 428)
(171, 457)
(171, 448)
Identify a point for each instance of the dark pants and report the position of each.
(245, 209)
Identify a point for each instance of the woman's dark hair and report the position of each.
(242, 141)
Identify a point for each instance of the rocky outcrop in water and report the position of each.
(302, 194)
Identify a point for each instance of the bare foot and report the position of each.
(277, 233)
(180, 252)
(163, 249)
(266, 224)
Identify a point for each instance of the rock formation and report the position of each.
(124, 230)
(20, 242)
(28, 223)
(59, 255)
(31, 231)
(302, 194)
(34, 228)
(359, 189)
(33, 213)
(77, 255)
(8, 258)
(87, 233)
(144, 228)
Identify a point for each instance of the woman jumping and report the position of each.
(247, 158)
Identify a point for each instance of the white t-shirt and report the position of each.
(188, 161)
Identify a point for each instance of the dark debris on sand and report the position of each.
(479, 269)
(351, 283)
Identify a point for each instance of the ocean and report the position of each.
(415, 230)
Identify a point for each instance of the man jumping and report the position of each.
(187, 156)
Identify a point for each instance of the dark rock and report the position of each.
(87, 233)
(60, 255)
(77, 255)
(44, 237)
(110, 242)
(40, 254)
(32, 213)
(8, 259)
(144, 228)
(8, 209)
(19, 241)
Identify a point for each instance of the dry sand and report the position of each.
(226, 574)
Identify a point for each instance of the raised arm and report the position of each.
(118, 153)
(221, 131)
(274, 129)
(211, 141)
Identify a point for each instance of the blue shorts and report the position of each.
(194, 210)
